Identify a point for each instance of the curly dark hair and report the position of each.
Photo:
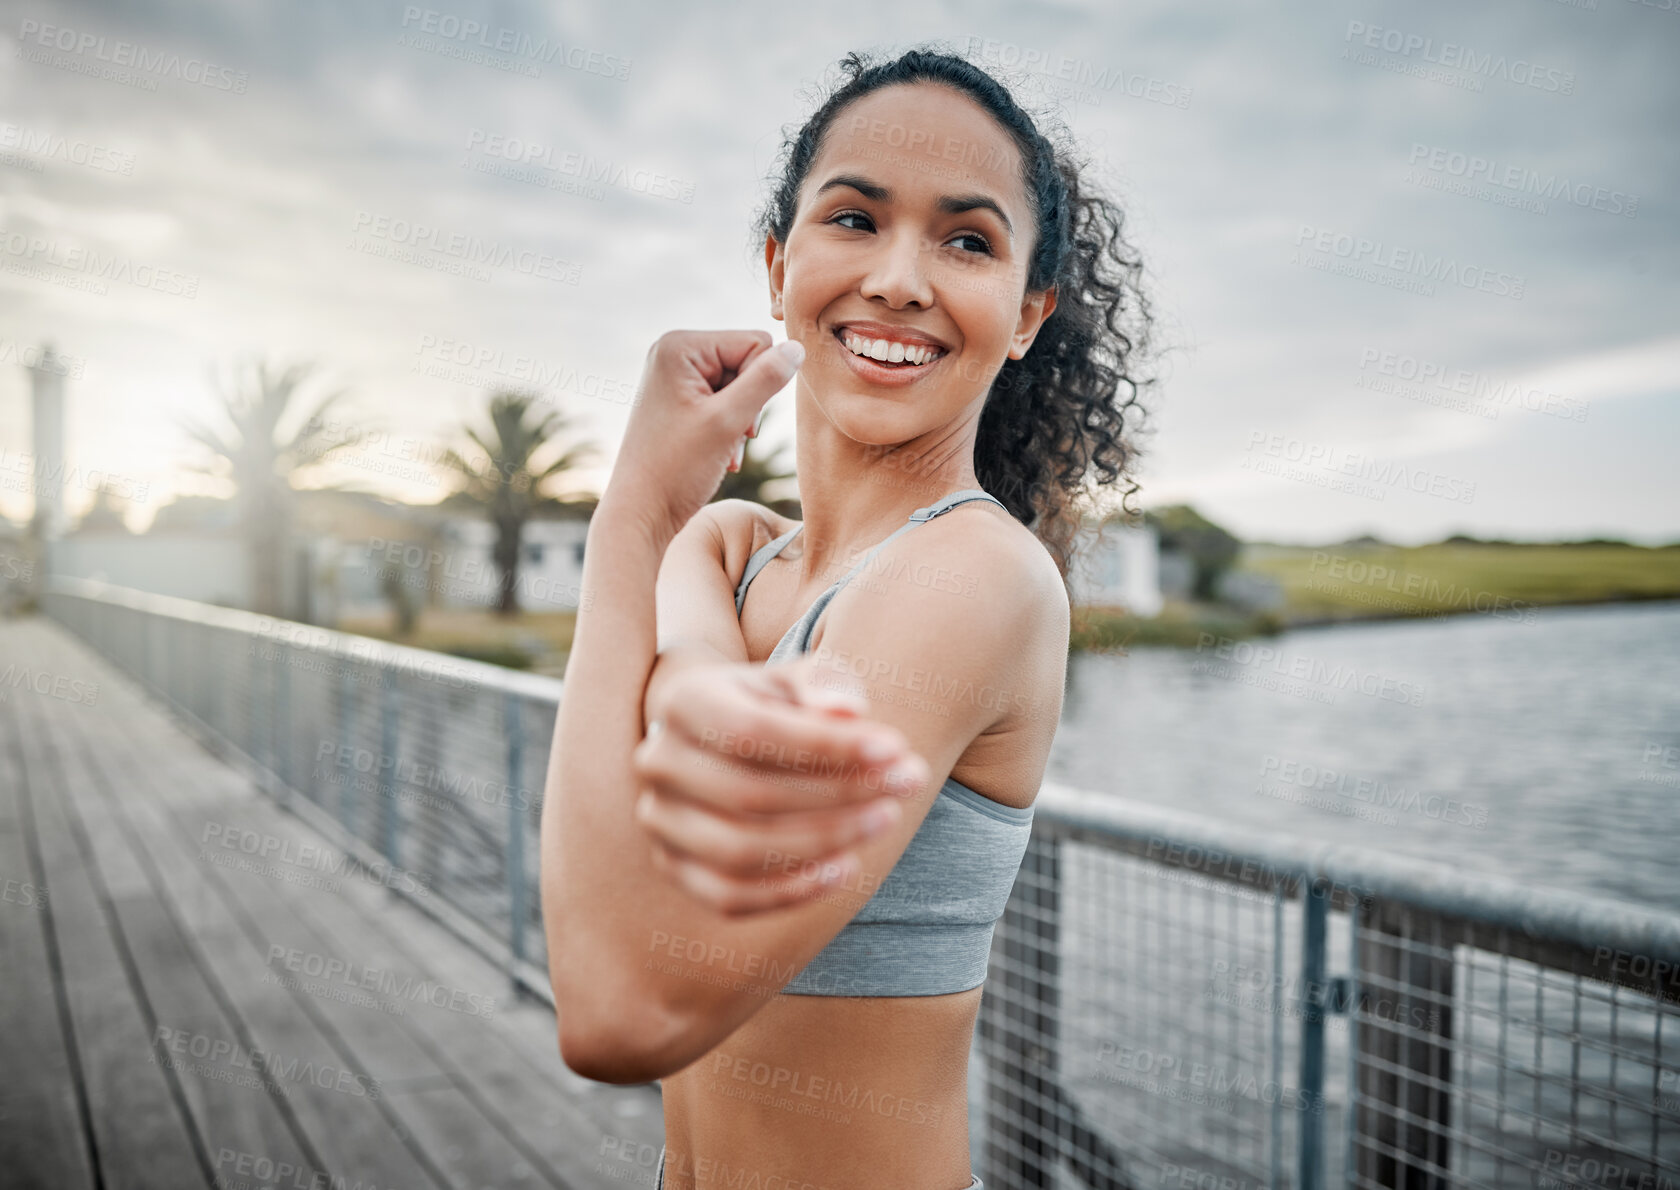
(1058, 424)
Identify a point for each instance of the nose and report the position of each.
(895, 274)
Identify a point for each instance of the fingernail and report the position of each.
(792, 352)
(876, 748)
(904, 774)
(757, 422)
(879, 817)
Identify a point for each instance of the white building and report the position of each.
(1118, 566)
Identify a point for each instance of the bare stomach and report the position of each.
(839, 1093)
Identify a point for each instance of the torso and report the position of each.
(841, 1091)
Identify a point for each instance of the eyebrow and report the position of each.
(949, 204)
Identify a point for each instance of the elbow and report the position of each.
(624, 1044)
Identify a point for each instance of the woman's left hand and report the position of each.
(701, 392)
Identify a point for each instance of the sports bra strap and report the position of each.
(757, 562)
(763, 555)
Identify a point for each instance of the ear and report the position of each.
(1035, 308)
(776, 267)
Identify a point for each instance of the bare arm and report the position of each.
(649, 979)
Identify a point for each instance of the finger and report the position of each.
(776, 845)
(739, 898)
(805, 683)
(721, 356)
(743, 398)
(734, 787)
(782, 755)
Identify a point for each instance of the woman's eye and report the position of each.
(985, 246)
(851, 215)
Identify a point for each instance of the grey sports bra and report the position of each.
(927, 930)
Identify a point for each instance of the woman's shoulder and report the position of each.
(979, 550)
(746, 526)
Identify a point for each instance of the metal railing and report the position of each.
(1172, 1005)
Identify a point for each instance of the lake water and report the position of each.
(1544, 749)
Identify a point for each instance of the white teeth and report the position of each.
(889, 351)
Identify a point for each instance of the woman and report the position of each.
(961, 318)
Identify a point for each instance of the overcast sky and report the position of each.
(1330, 199)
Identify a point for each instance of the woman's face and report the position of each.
(912, 227)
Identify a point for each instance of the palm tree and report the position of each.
(504, 479)
(255, 400)
(748, 483)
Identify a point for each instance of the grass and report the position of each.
(1384, 581)
(1112, 630)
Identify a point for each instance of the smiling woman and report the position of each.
(780, 830)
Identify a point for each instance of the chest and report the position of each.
(776, 600)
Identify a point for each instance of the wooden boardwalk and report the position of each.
(174, 1014)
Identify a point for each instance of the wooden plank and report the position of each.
(43, 1141)
(487, 1144)
(336, 1131)
(142, 1136)
(486, 1100)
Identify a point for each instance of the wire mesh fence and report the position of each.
(1171, 1005)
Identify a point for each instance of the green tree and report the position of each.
(1211, 549)
(262, 444)
(748, 483)
(499, 473)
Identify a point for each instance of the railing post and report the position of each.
(388, 767)
(346, 780)
(1019, 1025)
(1315, 914)
(280, 724)
(252, 684)
(1406, 1037)
(513, 727)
